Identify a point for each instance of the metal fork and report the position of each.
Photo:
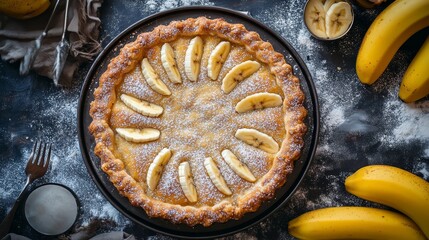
(37, 166)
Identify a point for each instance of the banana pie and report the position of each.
(198, 122)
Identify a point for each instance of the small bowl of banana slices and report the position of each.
(328, 19)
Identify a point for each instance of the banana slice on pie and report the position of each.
(238, 74)
(187, 183)
(258, 101)
(168, 60)
(139, 135)
(237, 166)
(143, 107)
(216, 177)
(193, 58)
(155, 169)
(153, 79)
(217, 59)
(257, 139)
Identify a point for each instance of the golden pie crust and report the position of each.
(126, 163)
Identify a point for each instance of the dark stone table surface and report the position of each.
(360, 125)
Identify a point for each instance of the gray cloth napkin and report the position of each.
(16, 36)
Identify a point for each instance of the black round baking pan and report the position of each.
(137, 214)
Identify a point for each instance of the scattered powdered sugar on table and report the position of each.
(426, 152)
(55, 121)
(412, 120)
(335, 117)
(169, 4)
(106, 211)
(422, 169)
(67, 165)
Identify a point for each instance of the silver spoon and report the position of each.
(31, 54)
(62, 49)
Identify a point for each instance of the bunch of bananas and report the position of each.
(383, 184)
(387, 33)
(23, 9)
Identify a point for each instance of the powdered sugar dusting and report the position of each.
(412, 119)
(106, 211)
(422, 169)
(335, 117)
(55, 122)
(153, 5)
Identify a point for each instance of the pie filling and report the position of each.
(199, 121)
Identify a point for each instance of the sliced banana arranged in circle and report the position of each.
(258, 101)
(238, 74)
(192, 67)
(216, 177)
(338, 19)
(168, 60)
(153, 79)
(217, 59)
(156, 167)
(139, 135)
(143, 107)
(237, 166)
(193, 58)
(257, 139)
(187, 182)
(314, 17)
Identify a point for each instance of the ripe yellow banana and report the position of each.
(395, 188)
(415, 84)
(354, 223)
(23, 9)
(387, 33)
